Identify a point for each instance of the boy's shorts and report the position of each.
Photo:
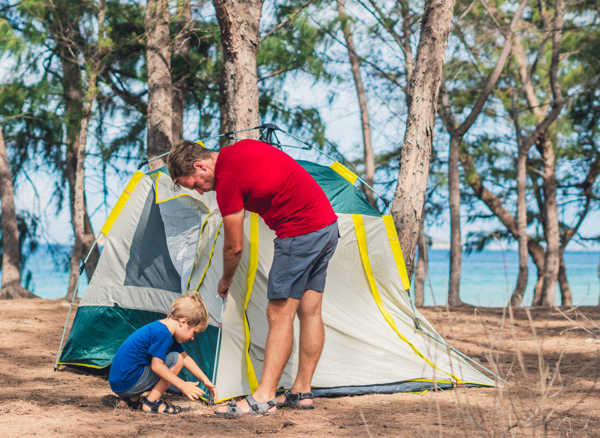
(149, 378)
(300, 263)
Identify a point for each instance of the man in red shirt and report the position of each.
(254, 176)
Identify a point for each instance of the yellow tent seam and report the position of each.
(187, 286)
(156, 185)
(116, 211)
(209, 257)
(361, 237)
(82, 365)
(344, 171)
(252, 268)
(171, 198)
(392, 234)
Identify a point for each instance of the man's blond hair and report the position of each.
(182, 157)
(191, 307)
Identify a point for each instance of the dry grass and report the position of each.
(540, 398)
(543, 354)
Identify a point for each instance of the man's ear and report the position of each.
(199, 165)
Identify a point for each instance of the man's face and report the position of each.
(202, 179)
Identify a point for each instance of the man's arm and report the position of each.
(190, 365)
(233, 248)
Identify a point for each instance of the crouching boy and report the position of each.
(152, 357)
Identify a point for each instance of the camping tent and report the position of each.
(161, 243)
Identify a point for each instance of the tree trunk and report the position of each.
(565, 290)
(223, 125)
(79, 205)
(456, 136)
(539, 284)
(455, 233)
(421, 270)
(551, 229)
(239, 21)
(423, 92)
(362, 102)
(407, 19)
(181, 49)
(11, 257)
(94, 67)
(73, 96)
(158, 60)
(517, 295)
(88, 234)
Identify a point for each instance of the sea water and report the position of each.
(487, 277)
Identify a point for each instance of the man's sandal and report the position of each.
(133, 405)
(155, 406)
(293, 400)
(256, 408)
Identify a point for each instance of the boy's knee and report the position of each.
(179, 364)
(173, 360)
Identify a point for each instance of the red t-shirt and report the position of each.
(260, 178)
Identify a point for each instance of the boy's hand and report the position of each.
(191, 390)
(213, 389)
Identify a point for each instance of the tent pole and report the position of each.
(217, 352)
(308, 147)
(81, 268)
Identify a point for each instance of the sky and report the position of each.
(338, 106)
(342, 126)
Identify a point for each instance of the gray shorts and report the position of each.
(300, 263)
(149, 378)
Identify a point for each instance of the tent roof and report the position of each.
(343, 196)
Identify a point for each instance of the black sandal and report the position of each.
(133, 405)
(293, 400)
(156, 404)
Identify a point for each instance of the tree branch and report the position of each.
(286, 21)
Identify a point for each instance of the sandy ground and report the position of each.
(552, 365)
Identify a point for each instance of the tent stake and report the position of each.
(217, 352)
(81, 268)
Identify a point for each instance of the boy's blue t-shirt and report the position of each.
(152, 340)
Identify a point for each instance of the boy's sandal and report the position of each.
(156, 404)
(133, 405)
(256, 408)
(293, 400)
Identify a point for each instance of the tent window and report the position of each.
(150, 264)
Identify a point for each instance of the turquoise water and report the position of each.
(487, 277)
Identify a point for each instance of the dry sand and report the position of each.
(35, 400)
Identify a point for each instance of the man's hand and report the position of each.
(191, 390)
(213, 389)
(224, 286)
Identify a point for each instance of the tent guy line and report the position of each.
(266, 135)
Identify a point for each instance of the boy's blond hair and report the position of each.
(191, 307)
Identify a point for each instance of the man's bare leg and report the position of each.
(280, 314)
(312, 338)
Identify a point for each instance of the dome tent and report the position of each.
(161, 243)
